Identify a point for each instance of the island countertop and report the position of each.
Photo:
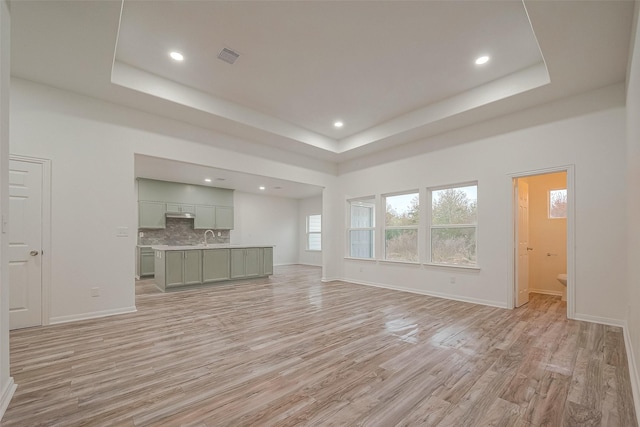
(201, 247)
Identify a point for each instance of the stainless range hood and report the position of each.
(180, 215)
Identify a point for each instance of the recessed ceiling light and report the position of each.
(176, 56)
(338, 124)
(482, 60)
(207, 180)
(261, 187)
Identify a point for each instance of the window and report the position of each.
(362, 227)
(314, 232)
(454, 219)
(401, 227)
(558, 203)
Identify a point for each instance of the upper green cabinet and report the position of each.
(212, 207)
(213, 217)
(205, 217)
(183, 194)
(151, 215)
(224, 218)
(180, 208)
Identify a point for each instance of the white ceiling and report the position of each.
(310, 63)
(393, 71)
(189, 173)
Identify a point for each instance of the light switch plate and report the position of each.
(122, 232)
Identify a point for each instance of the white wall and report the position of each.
(267, 220)
(593, 142)
(632, 307)
(92, 144)
(7, 386)
(306, 207)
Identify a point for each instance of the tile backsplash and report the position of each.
(179, 231)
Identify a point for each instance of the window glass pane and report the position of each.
(401, 245)
(453, 245)
(558, 203)
(361, 215)
(455, 206)
(402, 210)
(315, 242)
(361, 243)
(314, 223)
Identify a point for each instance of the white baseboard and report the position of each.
(7, 394)
(92, 315)
(602, 320)
(430, 293)
(546, 292)
(633, 368)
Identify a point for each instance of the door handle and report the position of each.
(529, 249)
(34, 253)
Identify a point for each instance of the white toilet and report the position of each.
(562, 278)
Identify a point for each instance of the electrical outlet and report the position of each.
(141, 234)
(452, 280)
(95, 292)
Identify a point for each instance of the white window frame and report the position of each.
(310, 233)
(431, 226)
(549, 203)
(400, 227)
(368, 202)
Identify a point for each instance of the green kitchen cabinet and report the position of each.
(180, 193)
(245, 263)
(174, 268)
(213, 217)
(237, 263)
(146, 261)
(224, 218)
(151, 215)
(267, 261)
(215, 265)
(205, 218)
(192, 267)
(183, 268)
(181, 208)
(252, 262)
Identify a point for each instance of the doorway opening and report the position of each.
(542, 236)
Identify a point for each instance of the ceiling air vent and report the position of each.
(227, 55)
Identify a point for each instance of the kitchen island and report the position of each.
(177, 266)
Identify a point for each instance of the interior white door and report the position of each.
(522, 239)
(25, 244)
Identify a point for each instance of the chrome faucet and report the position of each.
(212, 235)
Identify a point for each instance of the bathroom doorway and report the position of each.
(542, 216)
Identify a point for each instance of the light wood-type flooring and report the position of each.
(290, 350)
